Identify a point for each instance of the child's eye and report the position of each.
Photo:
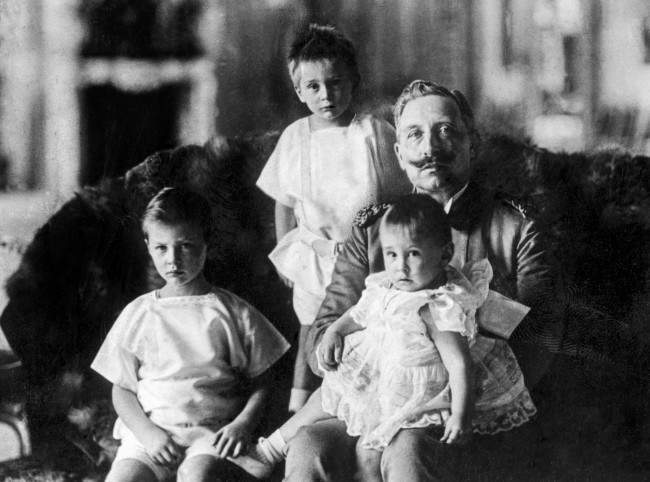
(160, 248)
(414, 253)
(312, 86)
(390, 254)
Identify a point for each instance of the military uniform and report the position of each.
(483, 225)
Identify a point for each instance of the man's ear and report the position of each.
(447, 253)
(397, 154)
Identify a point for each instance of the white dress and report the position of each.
(326, 177)
(187, 358)
(391, 375)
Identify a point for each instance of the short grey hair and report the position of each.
(423, 88)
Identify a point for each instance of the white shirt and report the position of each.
(181, 355)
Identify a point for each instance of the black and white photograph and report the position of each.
(324, 240)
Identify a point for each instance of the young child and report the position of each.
(408, 353)
(324, 168)
(187, 361)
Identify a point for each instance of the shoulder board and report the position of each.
(524, 205)
(369, 214)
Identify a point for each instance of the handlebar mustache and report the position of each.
(438, 159)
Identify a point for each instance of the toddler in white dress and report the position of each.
(325, 167)
(408, 354)
(188, 362)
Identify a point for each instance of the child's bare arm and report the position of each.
(233, 438)
(454, 352)
(285, 220)
(155, 440)
(331, 347)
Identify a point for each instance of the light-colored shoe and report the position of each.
(255, 462)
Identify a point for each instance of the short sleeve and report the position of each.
(359, 312)
(116, 359)
(263, 343)
(449, 315)
(280, 178)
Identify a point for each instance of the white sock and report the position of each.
(274, 447)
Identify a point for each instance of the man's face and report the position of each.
(433, 145)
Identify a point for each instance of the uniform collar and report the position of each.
(448, 204)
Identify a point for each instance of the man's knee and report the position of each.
(410, 443)
(322, 451)
(310, 441)
(417, 454)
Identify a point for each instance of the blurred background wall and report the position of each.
(88, 88)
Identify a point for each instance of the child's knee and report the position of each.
(130, 470)
(197, 468)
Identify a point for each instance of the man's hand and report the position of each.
(233, 439)
(331, 349)
(457, 430)
(161, 447)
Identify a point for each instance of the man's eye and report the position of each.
(414, 254)
(414, 134)
(160, 248)
(446, 130)
(312, 86)
(390, 254)
(186, 246)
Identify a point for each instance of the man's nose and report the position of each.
(429, 144)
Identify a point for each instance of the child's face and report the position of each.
(325, 86)
(412, 264)
(178, 251)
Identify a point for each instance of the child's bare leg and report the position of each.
(260, 460)
(311, 412)
(304, 380)
(206, 468)
(368, 464)
(130, 470)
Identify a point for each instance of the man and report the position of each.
(436, 143)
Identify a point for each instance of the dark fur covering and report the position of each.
(89, 260)
(597, 209)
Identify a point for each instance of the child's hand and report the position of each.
(457, 430)
(331, 349)
(232, 439)
(161, 447)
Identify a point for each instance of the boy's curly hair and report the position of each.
(318, 42)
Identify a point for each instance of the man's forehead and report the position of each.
(430, 108)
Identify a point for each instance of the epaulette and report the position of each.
(524, 205)
(369, 214)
